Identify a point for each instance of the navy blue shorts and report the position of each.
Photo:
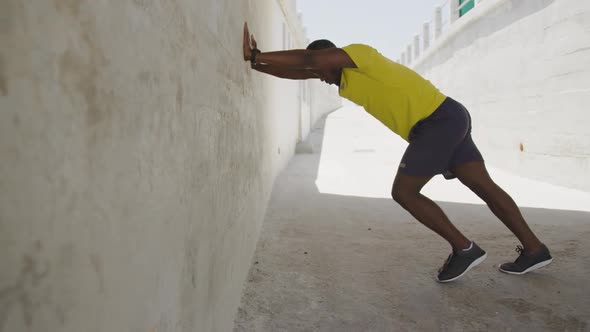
(440, 142)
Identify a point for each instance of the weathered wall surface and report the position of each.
(523, 70)
(137, 155)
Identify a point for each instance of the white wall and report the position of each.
(323, 97)
(523, 70)
(285, 97)
(137, 156)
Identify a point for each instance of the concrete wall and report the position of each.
(137, 155)
(523, 70)
(323, 97)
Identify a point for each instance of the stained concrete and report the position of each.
(137, 156)
(336, 254)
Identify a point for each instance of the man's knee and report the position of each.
(474, 176)
(482, 186)
(396, 194)
(402, 195)
(476, 187)
(407, 188)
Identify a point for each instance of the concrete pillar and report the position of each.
(437, 22)
(403, 58)
(409, 54)
(425, 36)
(454, 10)
(416, 46)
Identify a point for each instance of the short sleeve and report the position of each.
(360, 54)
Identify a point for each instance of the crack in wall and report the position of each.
(22, 292)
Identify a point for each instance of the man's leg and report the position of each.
(406, 191)
(433, 142)
(465, 255)
(475, 176)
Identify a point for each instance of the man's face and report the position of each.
(327, 76)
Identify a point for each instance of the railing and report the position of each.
(444, 16)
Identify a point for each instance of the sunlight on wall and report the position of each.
(360, 158)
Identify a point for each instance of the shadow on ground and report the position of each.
(340, 263)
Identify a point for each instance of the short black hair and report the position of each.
(320, 44)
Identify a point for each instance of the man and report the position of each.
(437, 128)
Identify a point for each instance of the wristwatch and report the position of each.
(253, 55)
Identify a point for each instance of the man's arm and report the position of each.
(281, 72)
(326, 59)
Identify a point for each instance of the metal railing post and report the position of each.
(416, 46)
(437, 22)
(425, 36)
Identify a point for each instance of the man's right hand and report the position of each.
(246, 43)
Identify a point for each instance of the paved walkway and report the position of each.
(337, 254)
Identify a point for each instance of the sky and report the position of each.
(387, 25)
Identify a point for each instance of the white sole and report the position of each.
(472, 265)
(532, 268)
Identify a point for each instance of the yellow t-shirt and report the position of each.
(392, 93)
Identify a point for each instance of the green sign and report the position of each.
(467, 7)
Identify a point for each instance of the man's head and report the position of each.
(332, 76)
(320, 44)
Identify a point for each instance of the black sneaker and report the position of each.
(526, 262)
(459, 262)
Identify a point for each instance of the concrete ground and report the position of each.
(337, 254)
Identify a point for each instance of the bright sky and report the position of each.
(387, 25)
